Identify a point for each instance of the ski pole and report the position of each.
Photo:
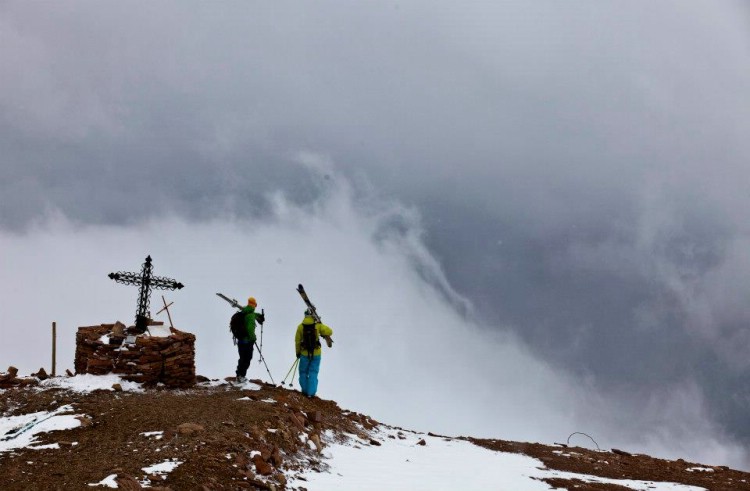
(261, 330)
(264, 362)
(294, 364)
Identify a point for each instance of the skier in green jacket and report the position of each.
(245, 344)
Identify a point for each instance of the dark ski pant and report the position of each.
(308, 374)
(246, 354)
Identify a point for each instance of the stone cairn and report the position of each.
(108, 348)
(10, 379)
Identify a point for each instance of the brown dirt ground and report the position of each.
(219, 456)
(216, 458)
(621, 466)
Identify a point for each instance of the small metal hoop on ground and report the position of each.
(584, 434)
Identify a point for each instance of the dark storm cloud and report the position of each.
(580, 168)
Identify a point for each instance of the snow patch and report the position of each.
(213, 383)
(108, 482)
(20, 431)
(162, 468)
(49, 446)
(86, 383)
(246, 385)
(627, 483)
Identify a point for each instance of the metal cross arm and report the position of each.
(147, 281)
(158, 282)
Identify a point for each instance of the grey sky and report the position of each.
(580, 168)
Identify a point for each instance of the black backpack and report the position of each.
(237, 325)
(310, 339)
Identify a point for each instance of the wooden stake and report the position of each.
(166, 307)
(54, 347)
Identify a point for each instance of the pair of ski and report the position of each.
(300, 289)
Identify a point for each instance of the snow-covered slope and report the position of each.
(423, 462)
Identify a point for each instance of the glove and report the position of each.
(261, 318)
(299, 354)
(329, 341)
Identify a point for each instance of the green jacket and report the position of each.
(249, 324)
(322, 330)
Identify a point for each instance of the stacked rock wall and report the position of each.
(149, 359)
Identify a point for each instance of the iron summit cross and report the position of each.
(147, 281)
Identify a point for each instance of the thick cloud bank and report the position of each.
(406, 348)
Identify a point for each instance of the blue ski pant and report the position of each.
(308, 374)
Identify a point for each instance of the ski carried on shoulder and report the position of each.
(310, 306)
(234, 303)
